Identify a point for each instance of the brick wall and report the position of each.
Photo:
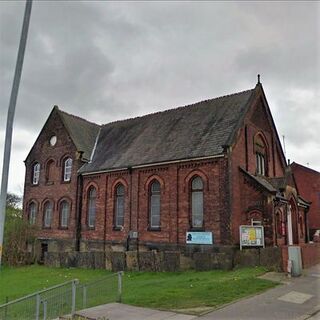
(247, 197)
(56, 189)
(308, 182)
(175, 182)
(310, 253)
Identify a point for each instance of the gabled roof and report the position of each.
(295, 165)
(194, 131)
(303, 202)
(261, 181)
(278, 183)
(82, 132)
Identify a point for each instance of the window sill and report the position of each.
(261, 175)
(46, 228)
(118, 228)
(65, 182)
(63, 228)
(91, 228)
(202, 229)
(156, 229)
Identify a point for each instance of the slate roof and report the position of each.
(278, 182)
(304, 202)
(262, 181)
(82, 132)
(197, 130)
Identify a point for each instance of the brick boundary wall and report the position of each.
(310, 255)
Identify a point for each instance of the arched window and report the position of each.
(47, 211)
(261, 155)
(155, 205)
(197, 202)
(64, 214)
(32, 213)
(67, 169)
(119, 206)
(301, 224)
(278, 224)
(92, 196)
(36, 173)
(49, 171)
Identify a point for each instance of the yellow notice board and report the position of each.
(251, 236)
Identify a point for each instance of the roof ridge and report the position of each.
(77, 117)
(293, 164)
(177, 108)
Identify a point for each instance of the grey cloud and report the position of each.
(113, 60)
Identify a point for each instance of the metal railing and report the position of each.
(63, 299)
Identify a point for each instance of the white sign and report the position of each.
(199, 238)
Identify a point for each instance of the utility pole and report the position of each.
(284, 146)
(10, 117)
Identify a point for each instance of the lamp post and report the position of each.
(10, 117)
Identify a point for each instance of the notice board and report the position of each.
(251, 236)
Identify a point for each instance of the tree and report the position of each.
(18, 233)
(13, 200)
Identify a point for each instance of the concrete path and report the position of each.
(297, 299)
(117, 311)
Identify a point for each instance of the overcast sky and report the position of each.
(112, 60)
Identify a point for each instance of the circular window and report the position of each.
(53, 140)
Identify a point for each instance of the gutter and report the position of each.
(152, 164)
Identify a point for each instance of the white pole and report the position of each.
(289, 219)
(10, 117)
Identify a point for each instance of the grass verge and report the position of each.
(192, 290)
(160, 290)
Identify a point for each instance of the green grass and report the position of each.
(162, 290)
(20, 281)
(192, 289)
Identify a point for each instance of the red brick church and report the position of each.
(147, 181)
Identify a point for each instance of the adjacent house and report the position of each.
(308, 183)
(145, 182)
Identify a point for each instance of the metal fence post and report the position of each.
(6, 309)
(38, 302)
(84, 302)
(120, 273)
(44, 302)
(73, 297)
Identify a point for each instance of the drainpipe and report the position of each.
(177, 206)
(79, 211)
(105, 216)
(227, 150)
(138, 254)
(306, 226)
(275, 234)
(130, 210)
(289, 225)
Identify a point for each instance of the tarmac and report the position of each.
(296, 299)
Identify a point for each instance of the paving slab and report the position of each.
(296, 297)
(119, 311)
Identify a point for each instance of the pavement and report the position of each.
(296, 299)
(118, 311)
